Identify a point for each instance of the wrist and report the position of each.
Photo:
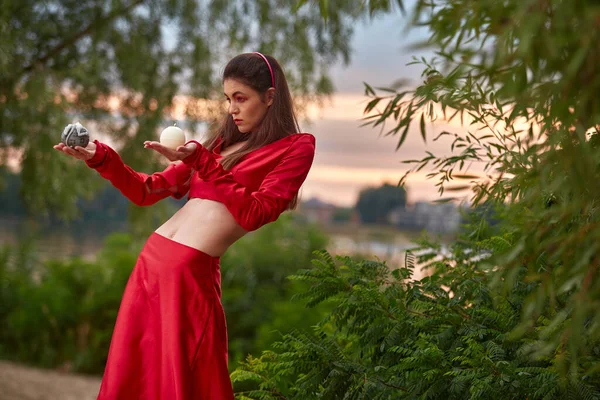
(192, 157)
(98, 157)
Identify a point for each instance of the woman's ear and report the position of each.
(270, 95)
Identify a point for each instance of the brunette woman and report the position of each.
(170, 337)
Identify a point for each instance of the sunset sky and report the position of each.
(349, 157)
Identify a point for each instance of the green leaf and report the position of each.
(324, 7)
(465, 176)
(403, 137)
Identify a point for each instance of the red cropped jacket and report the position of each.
(255, 191)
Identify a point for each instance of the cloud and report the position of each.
(350, 157)
(346, 143)
(380, 54)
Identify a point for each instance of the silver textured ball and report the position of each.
(75, 135)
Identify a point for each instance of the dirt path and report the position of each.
(24, 383)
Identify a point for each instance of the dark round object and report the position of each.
(75, 135)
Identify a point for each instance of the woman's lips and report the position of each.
(237, 121)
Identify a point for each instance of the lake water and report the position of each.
(54, 243)
(85, 244)
(392, 251)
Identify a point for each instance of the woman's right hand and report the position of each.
(78, 152)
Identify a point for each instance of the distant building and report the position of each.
(317, 211)
(432, 217)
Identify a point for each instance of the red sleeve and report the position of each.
(140, 188)
(252, 210)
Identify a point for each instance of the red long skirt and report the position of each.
(170, 338)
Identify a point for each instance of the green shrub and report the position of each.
(256, 291)
(61, 313)
(450, 335)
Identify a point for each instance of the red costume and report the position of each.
(170, 337)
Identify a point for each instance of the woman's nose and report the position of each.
(233, 109)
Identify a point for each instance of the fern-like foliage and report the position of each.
(450, 335)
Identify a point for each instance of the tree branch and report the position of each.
(389, 385)
(77, 36)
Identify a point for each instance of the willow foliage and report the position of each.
(521, 79)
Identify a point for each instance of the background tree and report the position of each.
(343, 214)
(374, 204)
(9, 198)
(523, 80)
(118, 66)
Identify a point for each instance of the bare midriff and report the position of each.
(205, 225)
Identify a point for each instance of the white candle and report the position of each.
(172, 137)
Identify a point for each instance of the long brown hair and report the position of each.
(279, 121)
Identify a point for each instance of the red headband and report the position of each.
(270, 69)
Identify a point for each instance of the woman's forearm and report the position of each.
(142, 189)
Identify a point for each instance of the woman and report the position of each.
(170, 337)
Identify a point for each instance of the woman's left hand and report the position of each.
(179, 153)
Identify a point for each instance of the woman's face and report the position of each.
(246, 105)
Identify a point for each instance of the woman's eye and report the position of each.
(241, 99)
